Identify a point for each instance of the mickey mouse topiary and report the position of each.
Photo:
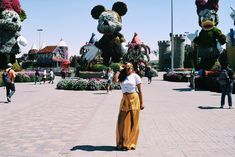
(110, 25)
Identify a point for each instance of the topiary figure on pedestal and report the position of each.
(137, 54)
(110, 25)
(11, 16)
(209, 36)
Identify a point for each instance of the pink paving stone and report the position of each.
(55, 121)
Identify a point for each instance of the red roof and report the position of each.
(33, 51)
(47, 49)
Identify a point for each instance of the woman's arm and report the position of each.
(140, 96)
(115, 78)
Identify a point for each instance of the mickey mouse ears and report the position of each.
(119, 7)
(96, 11)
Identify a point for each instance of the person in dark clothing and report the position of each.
(37, 77)
(77, 72)
(9, 76)
(148, 74)
(62, 73)
(227, 87)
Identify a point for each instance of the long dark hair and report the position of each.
(123, 74)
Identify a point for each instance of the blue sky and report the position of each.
(151, 19)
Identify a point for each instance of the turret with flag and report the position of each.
(60, 54)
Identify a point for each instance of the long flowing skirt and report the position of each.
(127, 131)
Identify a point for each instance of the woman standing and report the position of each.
(132, 102)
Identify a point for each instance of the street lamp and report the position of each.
(39, 35)
(172, 38)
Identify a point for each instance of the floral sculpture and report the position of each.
(11, 16)
(110, 25)
(138, 54)
(210, 35)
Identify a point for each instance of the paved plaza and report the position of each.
(176, 122)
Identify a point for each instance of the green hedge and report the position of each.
(90, 74)
(115, 66)
(23, 78)
(98, 67)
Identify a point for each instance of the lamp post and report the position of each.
(172, 38)
(39, 35)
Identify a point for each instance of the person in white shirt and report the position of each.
(44, 76)
(109, 80)
(132, 102)
(51, 79)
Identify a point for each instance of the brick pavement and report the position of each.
(44, 122)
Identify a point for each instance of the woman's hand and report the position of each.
(141, 106)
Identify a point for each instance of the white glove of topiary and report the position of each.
(22, 41)
(91, 52)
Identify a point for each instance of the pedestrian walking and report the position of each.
(62, 73)
(128, 127)
(44, 77)
(149, 74)
(226, 84)
(37, 77)
(192, 79)
(110, 74)
(8, 78)
(51, 78)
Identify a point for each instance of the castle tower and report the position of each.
(164, 51)
(179, 50)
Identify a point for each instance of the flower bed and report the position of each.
(177, 76)
(209, 82)
(85, 84)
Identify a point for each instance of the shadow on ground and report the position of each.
(183, 89)
(208, 107)
(90, 148)
(3, 102)
(100, 93)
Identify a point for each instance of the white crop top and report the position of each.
(129, 84)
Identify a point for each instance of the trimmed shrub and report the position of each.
(16, 67)
(98, 67)
(91, 85)
(90, 74)
(21, 77)
(115, 66)
(80, 85)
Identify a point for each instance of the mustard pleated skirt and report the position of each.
(127, 131)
